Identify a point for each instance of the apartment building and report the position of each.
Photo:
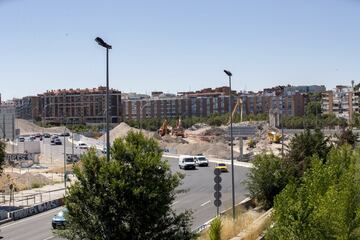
(83, 106)
(7, 120)
(343, 102)
(28, 108)
(209, 101)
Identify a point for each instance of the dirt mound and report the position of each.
(27, 128)
(121, 130)
(170, 139)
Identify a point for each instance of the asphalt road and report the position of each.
(37, 227)
(195, 194)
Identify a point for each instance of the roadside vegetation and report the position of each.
(314, 190)
(128, 197)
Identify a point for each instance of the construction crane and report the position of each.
(239, 103)
(178, 130)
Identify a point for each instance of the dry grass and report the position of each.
(258, 227)
(23, 181)
(231, 228)
(69, 167)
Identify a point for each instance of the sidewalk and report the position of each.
(34, 196)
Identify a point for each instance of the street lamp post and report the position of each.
(107, 46)
(229, 74)
(141, 113)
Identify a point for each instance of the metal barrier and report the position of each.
(18, 199)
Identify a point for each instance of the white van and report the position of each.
(201, 160)
(186, 162)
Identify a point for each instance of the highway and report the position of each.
(195, 194)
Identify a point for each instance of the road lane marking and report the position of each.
(31, 218)
(174, 203)
(205, 203)
(48, 238)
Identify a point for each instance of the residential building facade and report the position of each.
(80, 106)
(344, 101)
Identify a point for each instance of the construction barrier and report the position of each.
(30, 211)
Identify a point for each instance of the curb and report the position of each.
(5, 221)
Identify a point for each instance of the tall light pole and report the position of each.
(107, 46)
(229, 74)
(141, 113)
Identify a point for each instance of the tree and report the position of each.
(325, 205)
(313, 108)
(305, 145)
(128, 197)
(267, 178)
(347, 137)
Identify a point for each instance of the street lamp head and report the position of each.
(228, 73)
(102, 43)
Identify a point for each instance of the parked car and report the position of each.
(59, 220)
(52, 139)
(21, 139)
(38, 135)
(65, 134)
(201, 160)
(47, 135)
(186, 162)
(222, 167)
(57, 141)
(82, 145)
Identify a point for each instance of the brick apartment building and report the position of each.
(78, 106)
(210, 101)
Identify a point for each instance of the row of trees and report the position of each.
(154, 124)
(314, 189)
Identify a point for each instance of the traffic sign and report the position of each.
(217, 179)
(217, 171)
(217, 203)
(217, 187)
(243, 131)
(217, 195)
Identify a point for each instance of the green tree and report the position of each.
(325, 205)
(313, 108)
(267, 178)
(347, 137)
(305, 145)
(128, 197)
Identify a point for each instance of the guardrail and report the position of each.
(18, 199)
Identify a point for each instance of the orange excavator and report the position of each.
(178, 130)
(164, 129)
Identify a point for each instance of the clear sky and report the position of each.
(181, 45)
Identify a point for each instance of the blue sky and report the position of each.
(179, 45)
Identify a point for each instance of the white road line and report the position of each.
(205, 203)
(174, 203)
(30, 218)
(48, 238)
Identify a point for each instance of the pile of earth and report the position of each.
(121, 131)
(28, 128)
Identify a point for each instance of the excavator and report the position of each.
(239, 105)
(178, 130)
(164, 129)
(274, 137)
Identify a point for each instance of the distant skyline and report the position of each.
(176, 46)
